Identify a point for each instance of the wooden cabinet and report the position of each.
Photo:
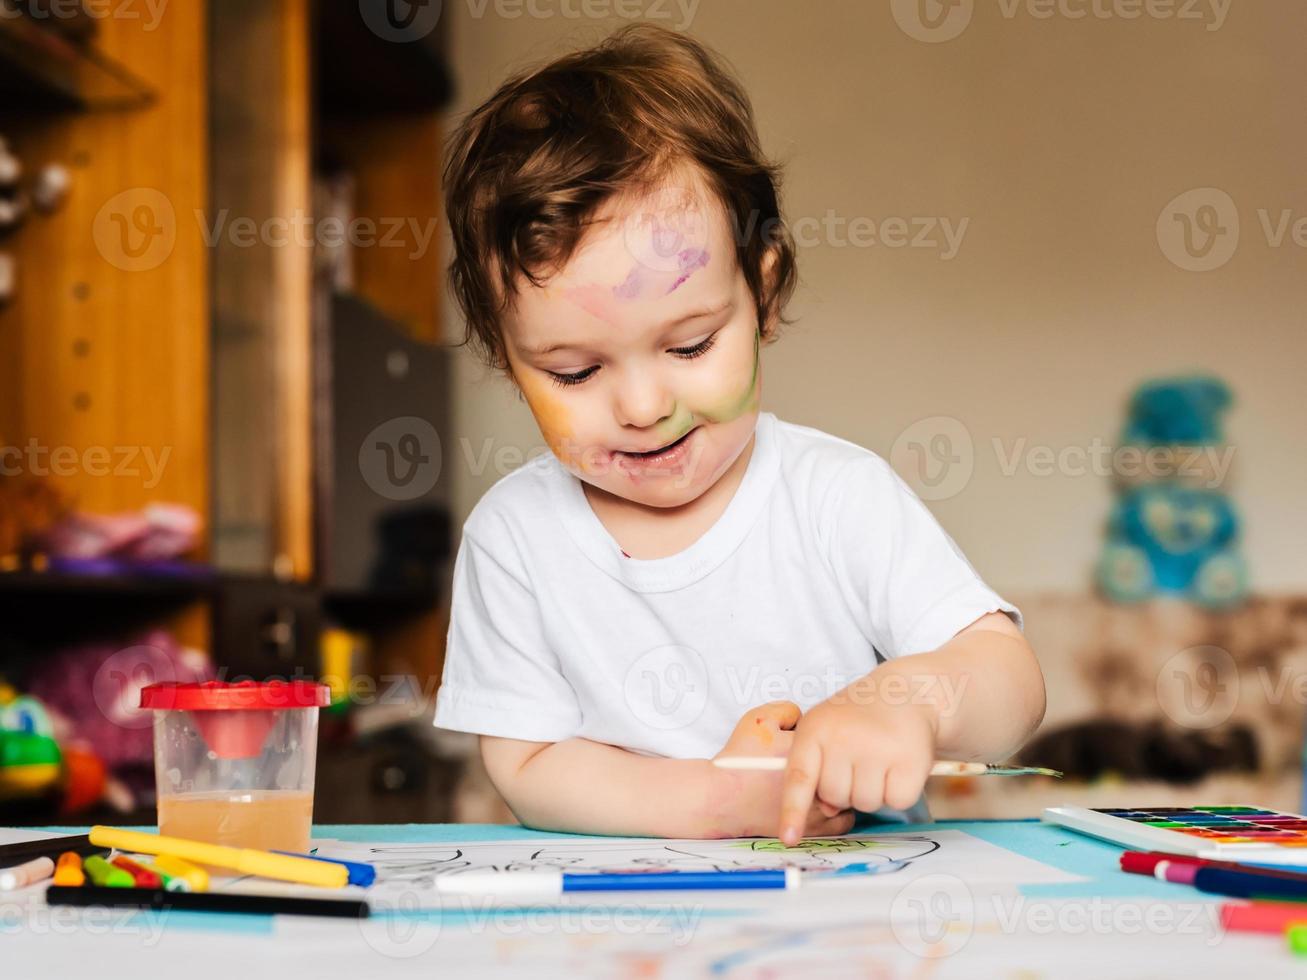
(169, 308)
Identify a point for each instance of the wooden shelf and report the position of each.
(41, 70)
(148, 586)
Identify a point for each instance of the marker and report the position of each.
(174, 870)
(170, 883)
(300, 870)
(1240, 884)
(50, 847)
(69, 870)
(556, 882)
(141, 877)
(1176, 872)
(1269, 917)
(1146, 863)
(1297, 936)
(775, 763)
(154, 898)
(104, 874)
(359, 873)
(23, 875)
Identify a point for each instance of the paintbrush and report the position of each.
(775, 763)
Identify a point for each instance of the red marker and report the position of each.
(141, 877)
(1146, 862)
(1271, 917)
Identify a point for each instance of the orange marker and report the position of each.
(141, 877)
(69, 870)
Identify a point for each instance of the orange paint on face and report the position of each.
(552, 418)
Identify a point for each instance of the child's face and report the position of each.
(655, 342)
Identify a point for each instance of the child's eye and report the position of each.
(699, 349)
(575, 378)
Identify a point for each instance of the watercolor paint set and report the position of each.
(1249, 834)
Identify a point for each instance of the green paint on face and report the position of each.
(683, 418)
(733, 408)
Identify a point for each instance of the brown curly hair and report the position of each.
(526, 171)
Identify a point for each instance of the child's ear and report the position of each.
(767, 330)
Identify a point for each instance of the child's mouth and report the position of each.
(667, 455)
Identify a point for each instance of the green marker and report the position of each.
(104, 874)
(1297, 938)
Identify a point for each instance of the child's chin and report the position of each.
(665, 491)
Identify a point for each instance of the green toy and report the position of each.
(30, 760)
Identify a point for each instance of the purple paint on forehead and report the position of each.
(630, 287)
(689, 260)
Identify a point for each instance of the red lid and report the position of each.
(243, 695)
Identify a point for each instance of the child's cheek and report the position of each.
(733, 395)
(553, 419)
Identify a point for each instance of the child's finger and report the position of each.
(787, 715)
(827, 810)
(835, 826)
(784, 715)
(800, 787)
(836, 782)
(903, 784)
(868, 788)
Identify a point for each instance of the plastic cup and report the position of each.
(234, 763)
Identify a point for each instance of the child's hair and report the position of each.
(528, 169)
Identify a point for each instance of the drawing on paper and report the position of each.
(421, 864)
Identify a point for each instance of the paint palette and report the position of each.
(1231, 833)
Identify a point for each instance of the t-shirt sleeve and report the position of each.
(500, 677)
(911, 587)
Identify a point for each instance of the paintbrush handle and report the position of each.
(944, 767)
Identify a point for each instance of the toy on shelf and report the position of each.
(157, 532)
(29, 755)
(37, 762)
(1173, 529)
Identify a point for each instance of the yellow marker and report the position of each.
(175, 869)
(304, 871)
(69, 870)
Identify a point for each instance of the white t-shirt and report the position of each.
(822, 560)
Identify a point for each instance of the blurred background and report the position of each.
(1052, 257)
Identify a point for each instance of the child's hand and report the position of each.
(750, 798)
(851, 752)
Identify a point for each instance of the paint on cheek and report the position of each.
(734, 406)
(689, 260)
(553, 420)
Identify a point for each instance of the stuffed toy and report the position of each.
(1173, 530)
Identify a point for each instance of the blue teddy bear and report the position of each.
(1164, 536)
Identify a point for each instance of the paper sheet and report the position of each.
(894, 857)
(951, 905)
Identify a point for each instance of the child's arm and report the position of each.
(587, 787)
(977, 697)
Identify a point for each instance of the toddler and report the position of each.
(685, 575)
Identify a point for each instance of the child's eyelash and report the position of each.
(567, 380)
(698, 350)
(688, 353)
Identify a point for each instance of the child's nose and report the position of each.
(642, 401)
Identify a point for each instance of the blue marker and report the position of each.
(536, 883)
(359, 874)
